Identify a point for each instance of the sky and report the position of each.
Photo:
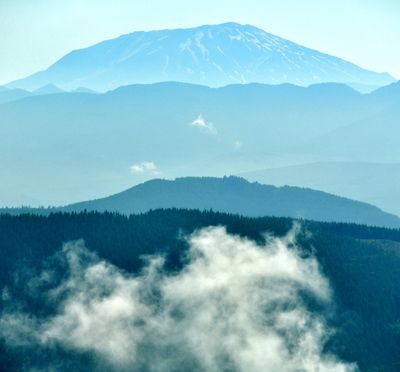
(36, 33)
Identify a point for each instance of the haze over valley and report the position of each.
(76, 146)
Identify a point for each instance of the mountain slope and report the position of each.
(374, 183)
(233, 195)
(371, 139)
(214, 55)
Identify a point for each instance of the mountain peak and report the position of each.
(233, 25)
(48, 89)
(212, 55)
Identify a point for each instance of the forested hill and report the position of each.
(362, 263)
(233, 195)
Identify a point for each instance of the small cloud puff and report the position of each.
(201, 123)
(144, 167)
(237, 145)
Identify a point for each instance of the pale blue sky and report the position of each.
(35, 33)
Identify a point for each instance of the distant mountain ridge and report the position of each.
(77, 146)
(10, 95)
(212, 55)
(232, 195)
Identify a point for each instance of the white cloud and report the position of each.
(201, 123)
(144, 167)
(234, 306)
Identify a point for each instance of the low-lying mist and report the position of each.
(234, 306)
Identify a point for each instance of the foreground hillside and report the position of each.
(231, 195)
(362, 264)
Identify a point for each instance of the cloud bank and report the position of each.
(234, 306)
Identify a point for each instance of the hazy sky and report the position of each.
(35, 33)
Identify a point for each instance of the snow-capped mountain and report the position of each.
(213, 55)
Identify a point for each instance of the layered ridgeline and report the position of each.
(233, 301)
(76, 146)
(214, 55)
(230, 195)
(9, 95)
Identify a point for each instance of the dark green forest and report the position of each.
(362, 263)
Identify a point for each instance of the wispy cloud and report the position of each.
(204, 125)
(234, 306)
(144, 167)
